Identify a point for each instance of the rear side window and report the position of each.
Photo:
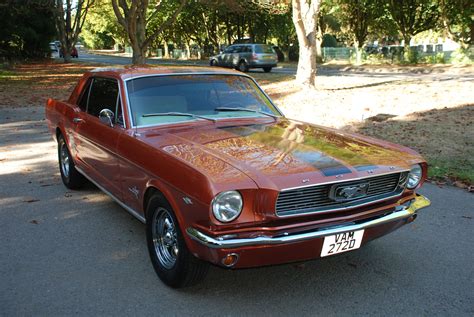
(266, 49)
(103, 95)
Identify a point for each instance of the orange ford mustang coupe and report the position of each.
(219, 175)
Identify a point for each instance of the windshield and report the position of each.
(177, 98)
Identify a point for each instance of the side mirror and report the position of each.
(107, 117)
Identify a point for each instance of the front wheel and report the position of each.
(267, 69)
(171, 259)
(242, 66)
(213, 62)
(71, 178)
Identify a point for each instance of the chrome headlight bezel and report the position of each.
(415, 176)
(227, 206)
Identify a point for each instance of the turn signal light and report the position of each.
(230, 259)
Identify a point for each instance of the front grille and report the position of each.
(318, 198)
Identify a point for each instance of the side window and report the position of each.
(84, 95)
(103, 95)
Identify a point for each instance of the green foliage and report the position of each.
(329, 41)
(411, 55)
(27, 27)
(413, 16)
(437, 58)
(462, 56)
(458, 20)
(101, 29)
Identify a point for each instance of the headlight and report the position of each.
(227, 206)
(414, 177)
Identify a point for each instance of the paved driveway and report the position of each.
(65, 253)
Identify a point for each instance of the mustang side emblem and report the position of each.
(348, 192)
(134, 190)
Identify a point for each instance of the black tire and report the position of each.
(267, 69)
(243, 67)
(175, 267)
(213, 62)
(71, 178)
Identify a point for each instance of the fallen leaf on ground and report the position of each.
(67, 194)
(460, 184)
(467, 217)
(35, 222)
(32, 200)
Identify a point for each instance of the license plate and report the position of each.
(342, 242)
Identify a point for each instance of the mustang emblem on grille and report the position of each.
(349, 192)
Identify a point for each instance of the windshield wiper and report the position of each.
(180, 114)
(245, 109)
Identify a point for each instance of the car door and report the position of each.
(227, 56)
(96, 140)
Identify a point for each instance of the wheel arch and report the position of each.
(58, 133)
(154, 187)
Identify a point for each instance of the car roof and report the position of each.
(249, 44)
(127, 72)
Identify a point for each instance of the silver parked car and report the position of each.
(245, 56)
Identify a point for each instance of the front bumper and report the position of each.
(377, 227)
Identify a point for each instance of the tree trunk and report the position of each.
(139, 55)
(166, 53)
(306, 73)
(358, 52)
(305, 16)
(407, 53)
(188, 50)
(286, 54)
(67, 57)
(319, 41)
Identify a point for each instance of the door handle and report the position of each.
(77, 120)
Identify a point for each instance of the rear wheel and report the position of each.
(71, 178)
(242, 66)
(213, 62)
(267, 69)
(171, 259)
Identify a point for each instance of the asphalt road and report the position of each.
(65, 253)
(122, 60)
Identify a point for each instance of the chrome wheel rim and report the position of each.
(165, 238)
(64, 158)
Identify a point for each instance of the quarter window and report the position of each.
(85, 95)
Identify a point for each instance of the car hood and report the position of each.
(285, 154)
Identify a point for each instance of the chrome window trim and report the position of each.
(118, 201)
(195, 120)
(130, 117)
(119, 96)
(345, 180)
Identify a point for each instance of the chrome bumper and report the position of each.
(402, 212)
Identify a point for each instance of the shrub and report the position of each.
(462, 56)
